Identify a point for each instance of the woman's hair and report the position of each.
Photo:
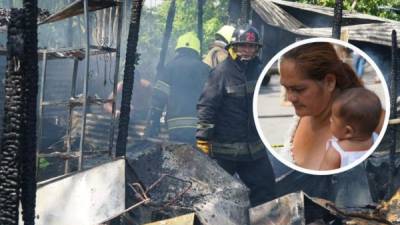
(318, 59)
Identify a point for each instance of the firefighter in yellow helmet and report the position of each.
(217, 52)
(177, 90)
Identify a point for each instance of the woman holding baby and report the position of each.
(314, 76)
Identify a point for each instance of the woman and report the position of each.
(313, 75)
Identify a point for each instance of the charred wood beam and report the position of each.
(244, 11)
(234, 11)
(129, 75)
(394, 78)
(14, 122)
(167, 35)
(337, 19)
(30, 67)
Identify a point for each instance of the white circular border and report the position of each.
(291, 164)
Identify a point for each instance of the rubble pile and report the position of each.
(299, 208)
(183, 180)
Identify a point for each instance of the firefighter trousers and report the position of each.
(257, 175)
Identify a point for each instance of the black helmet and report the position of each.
(247, 35)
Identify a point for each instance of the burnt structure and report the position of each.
(292, 21)
(337, 19)
(15, 120)
(18, 155)
(129, 75)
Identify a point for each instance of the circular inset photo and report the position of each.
(325, 108)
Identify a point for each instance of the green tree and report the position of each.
(153, 25)
(371, 7)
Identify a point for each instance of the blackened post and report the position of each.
(393, 112)
(14, 122)
(129, 77)
(164, 47)
(244, 12)
(234, 11)
(31, 72)
(337, 19)
(200, 4)
(167, 35)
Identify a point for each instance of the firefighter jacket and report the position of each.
(216, 54)
(178, 87)
(225, 111)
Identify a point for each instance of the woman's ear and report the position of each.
(330, 81)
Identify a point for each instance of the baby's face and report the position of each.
(338, 126)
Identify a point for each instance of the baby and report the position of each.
(354, 118)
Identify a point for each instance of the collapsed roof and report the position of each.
(296, 18)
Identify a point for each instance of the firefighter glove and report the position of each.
(204, 146)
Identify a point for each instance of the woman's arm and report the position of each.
(331, 160)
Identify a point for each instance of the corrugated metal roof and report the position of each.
(375, 33)
(274, 15)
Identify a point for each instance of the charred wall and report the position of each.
(274, 39)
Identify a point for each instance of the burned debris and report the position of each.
(117, 175)
(188, 181)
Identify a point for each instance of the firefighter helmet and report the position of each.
(247, 35)
(188, 40)
(226, 33)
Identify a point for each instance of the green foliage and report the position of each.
(43, 163)
(153, 20)
(371, 7)
(215, 14)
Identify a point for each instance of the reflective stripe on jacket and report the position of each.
(178, 87)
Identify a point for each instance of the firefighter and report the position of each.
(217, 52)
(226, 129)
(178, 87)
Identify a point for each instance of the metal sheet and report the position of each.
(84, 198)
(188, 219)
(293, 209)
